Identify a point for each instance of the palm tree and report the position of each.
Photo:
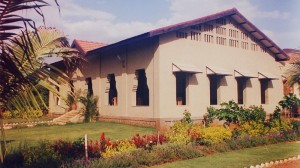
(46, 42)
(21, 57)
(292, 72)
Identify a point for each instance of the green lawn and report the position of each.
(241, 158)
(73, 131)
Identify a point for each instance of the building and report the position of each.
(56, 102)
(150, 79)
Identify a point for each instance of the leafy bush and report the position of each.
(147, 141)
(186, 117)
(7, 115)
(72, 97)
(184, 133)
(253, 113)
(69, 150)
(195, 133)
(229, 112)
(278, 126)
(209, 116)
(90, 109)
(276, 114)
(232, 113)
(32, 114)
(179, 133)
(290, 102)
(139, 158)
(295, 125)
(253, 128)
(41, 156)
(118, 147)
(93, 149)
(212, 135)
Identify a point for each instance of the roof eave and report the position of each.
(120, 43)
(229, 12)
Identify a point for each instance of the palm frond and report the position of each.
(292, 72)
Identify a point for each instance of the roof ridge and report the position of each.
(233, 13)
(89, 41)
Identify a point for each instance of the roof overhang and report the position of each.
(244, 74)
(188, 68)
(217, 71)
(266, 75)
(233, 13)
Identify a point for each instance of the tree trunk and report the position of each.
(3, 139)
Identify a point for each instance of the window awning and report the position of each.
(265, 75)
(189, 68)
(245, 74)
(217, 71)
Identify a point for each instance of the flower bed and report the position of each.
(184, 140)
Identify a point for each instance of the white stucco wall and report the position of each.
(202, 54)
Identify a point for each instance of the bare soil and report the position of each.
(289, 164)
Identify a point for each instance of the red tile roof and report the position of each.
(85, 46)
(293, 54)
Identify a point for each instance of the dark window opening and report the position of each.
(241, 85)
(263, 90)
(181, 88)
(90, 86)
(214, 85)
(142, 93)
(113, 93)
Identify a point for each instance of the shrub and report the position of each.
(276, 114)
(93, 149)
(290, 102)
(253, 113)
(7, 115)
(295, 125)
(90, 109)
(212, 135)
(160, 154)
(209, 116)
(118, 147)
(195, 133)
(42, 155)
(253, 128)
(147, 141)
(186, 117)
(69, 150)
(229, 112)
(278, 126)
(32, 114)
(232, 113)
(179, 133)
(184, 133)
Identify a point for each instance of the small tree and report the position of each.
(90, 109)
(72, 99)
(290, 102)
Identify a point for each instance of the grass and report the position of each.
(114, 131)
(241, 158)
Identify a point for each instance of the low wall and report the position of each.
(159, 124)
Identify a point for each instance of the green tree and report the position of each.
(23, 47)
(292, 72)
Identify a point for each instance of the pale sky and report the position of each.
(109, 21)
